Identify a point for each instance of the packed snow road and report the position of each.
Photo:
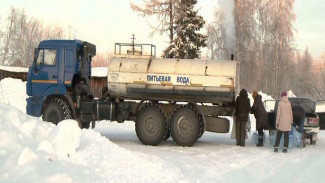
(215, 158)
(35, 151)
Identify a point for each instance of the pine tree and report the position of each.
(188, 41)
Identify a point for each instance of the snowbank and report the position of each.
(95, 71)
(291, 94)
(14, 69)
(35, 150)
(99, 71)
(13, 92)
(320, 106)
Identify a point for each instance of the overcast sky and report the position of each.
(105, 22)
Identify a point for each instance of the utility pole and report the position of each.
(69, 31)
(133, 38)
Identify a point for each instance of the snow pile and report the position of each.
(14, 69)
(291, 94)
(99, 71)
(26, 156)
(65, 138)
(35, 151)
(264, 97)
(320, 106)
(96, 71)
(13, 92)
(31, 150)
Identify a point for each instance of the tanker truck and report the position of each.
(181, 98)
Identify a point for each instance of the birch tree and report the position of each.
(21, 36)
(163, 10)
(221, 34)
(8, 35)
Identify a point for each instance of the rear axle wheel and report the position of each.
(150, 125)
(185, 127)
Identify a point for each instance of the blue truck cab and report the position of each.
(59, 78)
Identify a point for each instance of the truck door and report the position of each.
(320, 111)
(45, 72)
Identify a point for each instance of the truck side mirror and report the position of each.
(36, 52)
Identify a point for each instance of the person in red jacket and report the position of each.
(284, 121)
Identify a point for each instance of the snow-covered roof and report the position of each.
(14, 69)
(95, 72)
(99, 71)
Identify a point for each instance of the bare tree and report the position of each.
(282, 17)
(21, 36)
(101, 59)
(8, 35)
(221, 40)
(1, 36)
(264, 33)
(246, 45)
(163, 10)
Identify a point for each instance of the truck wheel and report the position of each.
(312, 142)
(56, 111)
(201, 127)
(150, 125)
(167, 129)
(167, 135)
(86, 125)
(185, 127)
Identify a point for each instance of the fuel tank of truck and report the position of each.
(172, 80)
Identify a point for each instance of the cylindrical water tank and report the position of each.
(172, 79)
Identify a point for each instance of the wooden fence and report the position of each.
(97, 83)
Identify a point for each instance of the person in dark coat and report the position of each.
(299, 116)
(242, 107)
(260, 115)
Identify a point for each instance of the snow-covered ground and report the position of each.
(35, 151)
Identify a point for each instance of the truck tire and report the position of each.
(150, 125)
(167, 130)
(185, 127)
(312, 142)
(167, 135)
(201, 127)
(57, 110)
(86, 125)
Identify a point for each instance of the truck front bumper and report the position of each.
(34, 106)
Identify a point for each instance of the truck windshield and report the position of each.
(46, 57)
